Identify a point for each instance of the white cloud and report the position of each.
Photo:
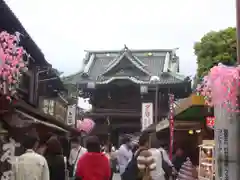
(63, 29)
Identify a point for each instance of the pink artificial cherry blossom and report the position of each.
(12, 64)
(221, 87)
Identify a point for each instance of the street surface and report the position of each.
(116, 177)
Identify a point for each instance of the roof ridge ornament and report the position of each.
(125, 47)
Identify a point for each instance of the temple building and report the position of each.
(118, 82)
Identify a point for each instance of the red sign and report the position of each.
(210, 121)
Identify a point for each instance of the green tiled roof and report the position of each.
(99, 64)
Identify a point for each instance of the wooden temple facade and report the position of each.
(118, 82)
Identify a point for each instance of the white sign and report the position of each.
(71, 115)
(147, 115)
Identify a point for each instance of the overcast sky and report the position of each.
(63, 29)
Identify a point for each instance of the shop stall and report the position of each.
(189, 125)
(206, 160)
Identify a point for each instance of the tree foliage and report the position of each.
(216, 47)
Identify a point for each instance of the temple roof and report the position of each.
(138, 66)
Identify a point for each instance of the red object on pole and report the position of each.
(171, 124)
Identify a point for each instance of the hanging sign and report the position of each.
(71, 115)
(147, 115)
(171, 123)
(12, 64)
(210, 122)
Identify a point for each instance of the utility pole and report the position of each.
(238, 29)
(227, 131)
(156, 105)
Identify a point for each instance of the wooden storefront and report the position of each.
(189, 125)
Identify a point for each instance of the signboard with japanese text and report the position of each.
(147, 115)
(71, 115)
(10, 149)
(210, 122)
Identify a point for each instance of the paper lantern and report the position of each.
(85, 125)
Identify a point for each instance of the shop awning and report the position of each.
(37, 121)
(192, 108)
(164, 124)
(179, 125)
(44, 118)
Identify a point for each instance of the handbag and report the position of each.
(71, 168)
(166, 168)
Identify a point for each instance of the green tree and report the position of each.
(216, 47)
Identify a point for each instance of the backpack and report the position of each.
(132, 172)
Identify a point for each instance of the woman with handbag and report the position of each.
(76, 152)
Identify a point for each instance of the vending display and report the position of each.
(206, 160)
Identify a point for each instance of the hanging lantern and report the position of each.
(143, 89)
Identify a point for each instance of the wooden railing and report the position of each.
(104, 110)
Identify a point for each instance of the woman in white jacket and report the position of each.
(157, 173)
(152, 156)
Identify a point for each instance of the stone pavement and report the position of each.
(116, 176)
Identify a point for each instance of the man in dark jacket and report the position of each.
(179, 158)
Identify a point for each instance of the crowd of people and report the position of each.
(46, 161)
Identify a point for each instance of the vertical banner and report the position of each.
(226, 134)
(171, 124)
(147, 115)
(71, 115)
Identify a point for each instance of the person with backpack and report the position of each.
(124, 154)
(151, 160)
(132, 171)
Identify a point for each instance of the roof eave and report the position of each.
(132, 50)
